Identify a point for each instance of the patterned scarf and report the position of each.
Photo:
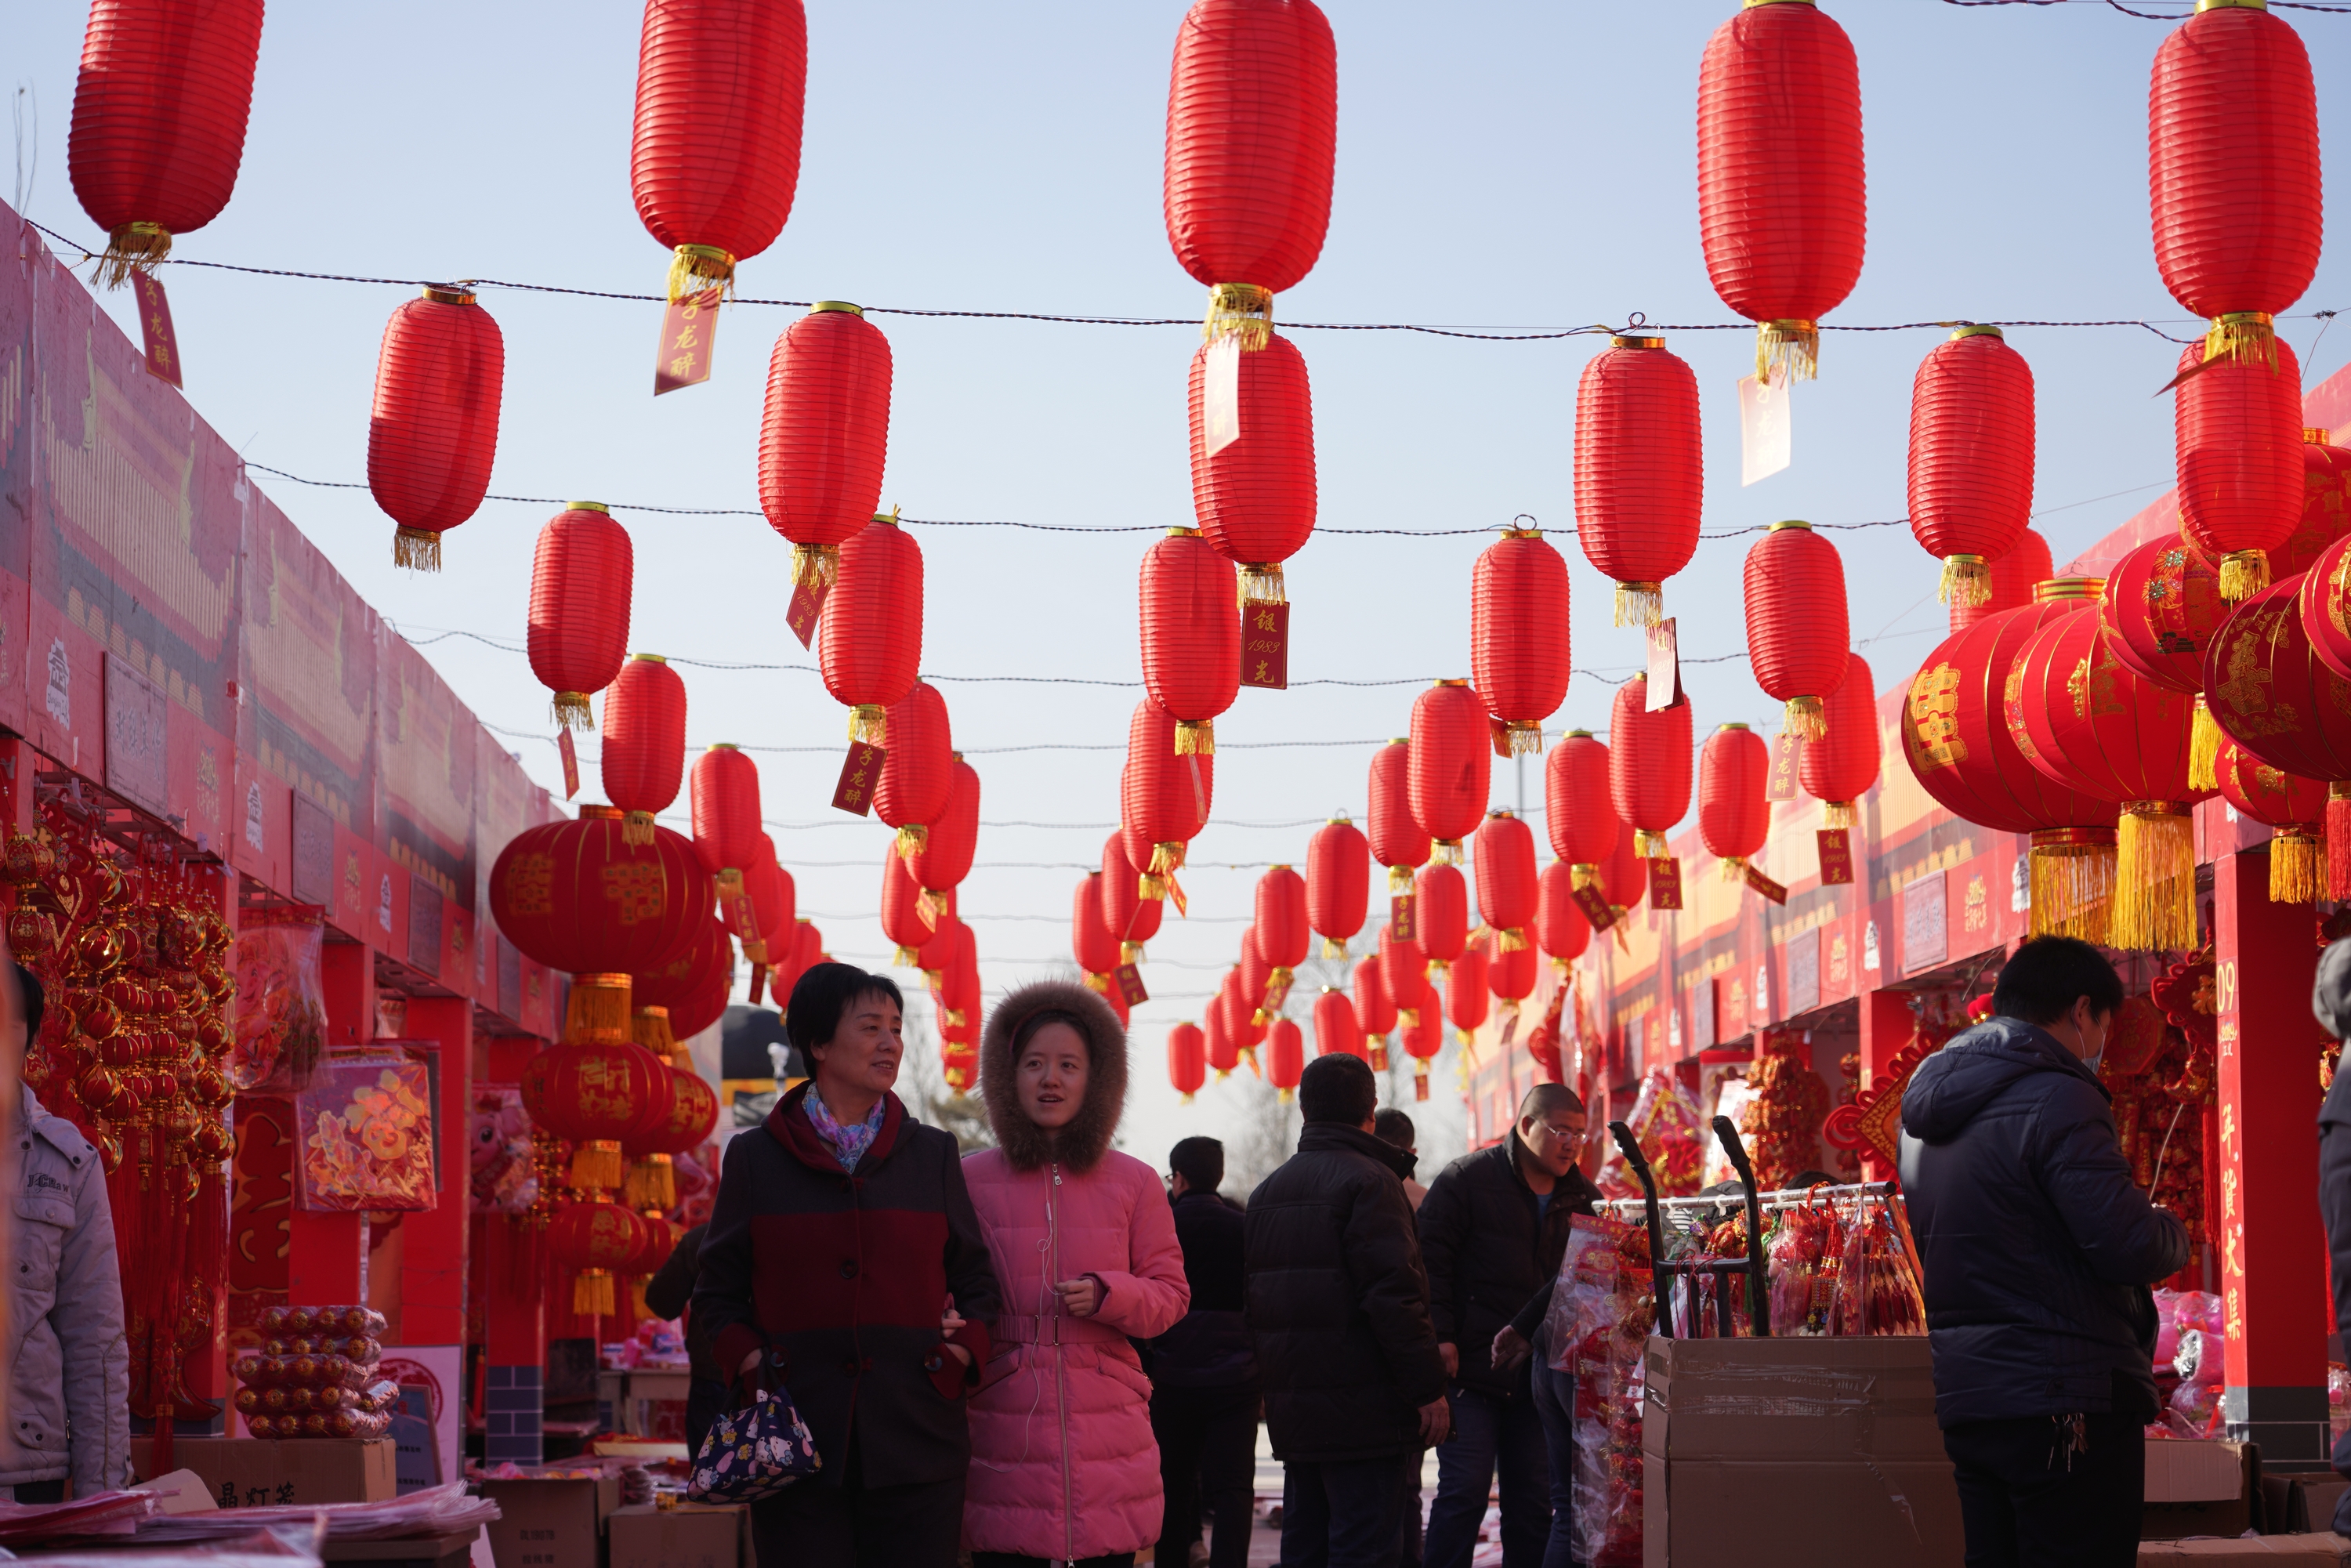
(849, 1144)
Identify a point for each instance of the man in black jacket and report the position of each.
(2330, 998)
(1493, 1230)
(1339, 1307)
(1204, 1385)
(2039, 1253)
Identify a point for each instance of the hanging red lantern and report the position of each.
(2237, 427)
(643, 760)
(690, 1116)
(1259, 987)
(595, 1242)
(1403, 972)
(1398, 841)
(1093, 944)
(1841, 766)
(1191, 635)
(1336, 1032)
(1624, 877)
(1578, 814)
(1440, 902)
(1338, 883)
(1164, 798)
(869, 642)
(1217, 1042)
(1187, 1060)
(1518, 636)
(1254, 494)
(1734, 819)
(1131, 917)
(599, 1087)
(576, 897)
(944, 857)
(766, 909)
(1782, 200)
(1424, 1038)
(937, 953)
(433, 430)
(703, 1008)
(2325, 500)
(710, 954)
(1375, 1010)
(2161, 607)
(824, 435)
(1505, 865)
(715, 157)
(577, 632)
(918, 767)
(2294, 806)
(1561, 929)
(2232, 173)
(1796, 628)
(2271, 693)
(1648, 766)
(906, 921)
(1285, 1057)
(1640, 474)
(1970, 456)
(2014, 573)
(159, 119)
(1283, 933)
(1244, 1019)
(1252, 135)
(1450, 769)
(1510, 976)
(727, 831)
(1467, 1000)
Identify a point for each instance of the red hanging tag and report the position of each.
(1765, 886)
(1836, 857)
(689, 329)
(1665, 668)
(1499, 734)
(859, 772)
(1380, 1054)
(1509, 1029)
(1199, 787)
(801, 614)
(1276, 992)
(1664, 882)
(1787, 757)
(1400, 919)
(1595, 904)
(758, 982)
(571, 756)
(155, 325)
(1175, 896)
(1130, 985)
(1265, 645)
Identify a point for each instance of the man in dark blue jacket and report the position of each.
(2039, 1253)
(1204, 1385)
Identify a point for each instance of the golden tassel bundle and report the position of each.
(1240, 311)
(1130, 952)
(1167, 858)
(2204, 748)
(592, 1294)
(133, 247)
(637, 828)
(906, 959)
(651, 1029)
(418, 550)
(1967, 580)
(652, 1184)
(1840, 814)
(572, 712)
(2246, 335)
(1399, 882)
(598, 1012)
(1792, 345)
(596, 1165)
(1196, 738)
(2244, 573)
(912, 838)
(2297, 864)
(1149, 888)
(2073, 882)
(1650, 846)
(2338, 837)
(1523, 736)
(694, 268)
(1730, 868)
(2155, 878)
(1640, 603)
(1804, 718)
(869, 725)
(1513, 939)
(1445, 852)
(1097, 983)
(815, 566)
(1582, 875)
(1261, 583)
(1334, 949)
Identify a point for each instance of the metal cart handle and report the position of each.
(1758, 1296)
(1661, 1278)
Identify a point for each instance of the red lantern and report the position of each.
(1640, 477)
(870, 641)
(1285, 1056)
(1187, 1060)
(1467, 1000)
(1403, 972)
(1243, 1022)
(1506, 878)
(1796, 629)
(596, 1241)
(1511, 977)
(1281, 927)
(1253, 133)
(433, 432)
(1970, 456)
(1841, 766)
(710, 954)
(2015, 572)
(597, 1092)
(690, 1116)
(1258, 988)
(1561, 929)
(769, 899)
(1164, 798)
(2294, 806)
(705, 1006)
(1253, 495)
(1375, 1010)
(2325, 500)
(944, 857)
(937, 954)
(727, 831)
(1518, 634)
(1440, 902)
(2237, 426)
(1578, 814)
(1224, 1052)
(917, 768)
(1734, 819)
(1338, 883)
(1648, 766)
(1398, 841)
(643, 756)
(715, 157)
(1423, 1038)
(2160, 608)
(1093, 944)
(159, 119)
(1783, 203)
(1131, 917)
(1624, 877)
(2272, 695)
(1335, 1030)
(578, 897)
(824, 435)
(578, 627)
(906, 921)
(2232, 172)
(1191, 635)
(1450, 769)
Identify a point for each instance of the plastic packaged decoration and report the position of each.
(365, 1125)
(504, 1176)
(281, 1003)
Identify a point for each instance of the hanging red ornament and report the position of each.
(1245, 1019)
(727, 831)
(1841, 766)
(1403, 972)
(2325, 500)
(691, 1115)
(1338, 883)
(906, 920)
(2161, 607)
(917, 768)
(870, 643)
(1734, 819)
(1579, 816)
(1092, 944)
(1191, 635)
(1505, 865)
(1648, 766)
(1164, 797)
(1187, 1060)
(766, 911)
(824, 435)
(578, 897)
(1217, 1042)
(1971, 458)
(1624, 877)
(944, 857)
(1254, 492)
(578, 634)
(1518, 636)
(709, 953)
(1424, 1038)
(1561, 929)
(2237, 426)
(2294, 806)
(1398, 841)
(2014, 572)
(1510, 976)
(1640, 474)
(1285, 1057)
(2271, 694)
(596, 1241)
(1375, 1010)
(433, 430)
(1440, 902)
(1796, 629)
(642, 761)
(1467, 1000)
(1259, 987)
(1336, 1032)
(1283, 933)
(1782, 200)
(1450, 769)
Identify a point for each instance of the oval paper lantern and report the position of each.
(2325, 500)
(1093, 944)
(944, 857)
(1467, 1000)
(1640, 475)
(1375, 1010)
(1282, 933)
(1796, 629)
(824, 435)
(643, 760)
(1505, 865)
(1441, 913)
(1187, 1060)
(2237, 432)
(2272, 696)
(1734, 819)
(767, 908)
(1518, 634)
(709, 953)
(1970, 456)
(1561, 929)
(2296, 807)
(1285, 1056)
(727, 831)
(1424, 1038)
(1578, 814)
(1338, 883)
(2014, 575)
(1624, 877)
(1648, 766)
(1336, 1032)
(433, 430)
(1841, 766)
(1223, 1052)
(917, 768)
(595, 1241)
(870, 638)
(1404, 971)
(1191, 634)
(1254, 494)
(906, 921)
(1398, 841)
(577, 632)
(1449, 770)
(1164, 798)
(1122, 899)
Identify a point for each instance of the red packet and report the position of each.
(689, 327)
(155, 325)
(1400, 919)
(570, 762)
(758, 982)
(1595, 904)
(1265, 645)
(860, 771)
(1664, 882)
(1130, 985)
(1765, 886)
(1664, 667)
(1786, 756)
(807, 604)
(1836, 857)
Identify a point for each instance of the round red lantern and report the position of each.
(1561, 929)
(2294, 806)
(1403, 972)
(1841, 766)
(2161, 606)
(715, 157)
(1640, 475)
(643, 760)
(1191, 635)
(597, 1092)
(1285, 1056)
(1796, 627)
(2325, 499)
(1505, 865)
(159, 119)
(1467, 1000)
(1734, 819)
(1783, 202)
(1518, 634)
(1335, 1028)
(2014, 572)
(870, 638)
(689, 1116)
(824, 435)
(1648, 766)
(710, 955)
(595, 1241)
(1578, 814)
(1254, 493)
(727, 831)
(1187, 1060)
(1449, 766)
(1338, 883)
(2237, 429)
(1440, 904)
(703, 1008)
(1398, 842)
(1164, 798)
(1092, 944)
(433, 430)
(918, 768)
(944, 857)
(1375, 1010)
(2272, 695)
(577, 896)
(906, 921)
(579, 628)
(1970, 456)
(2232, 172)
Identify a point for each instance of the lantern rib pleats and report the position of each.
(870, 640)
(1734, 819)
(917, 768)
(1840, 766)
(2237, 428)
(1398, 841)
(1797, 631)
(577, 635)
(1578, 814)
(1971, 461)
(1449, 770)
(643, 760)
(1255, 497)
(1338, 883)
(824, 435)
(1640, 473)
(1519, 647)
(433, 429)
(1191, 634)
(1649, 758)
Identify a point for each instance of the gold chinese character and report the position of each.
(1264, 673)
(685, 340)
(681, 367)
(1265, 620)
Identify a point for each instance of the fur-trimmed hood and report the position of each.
(1083, 1143)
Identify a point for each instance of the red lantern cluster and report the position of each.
(1640, 475)
(433, 429)
(581, 575)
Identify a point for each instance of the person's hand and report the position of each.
(1436, 1423)
(1451, 1356)
(751, 1363)
(951, 1322)
(1081, 1298)
(1510, 1349)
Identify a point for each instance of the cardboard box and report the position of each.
(2198, 1487)
(2250, 1551)
(1839, 1434)
(687, 1536)
(551, 1523)
(241, 1472)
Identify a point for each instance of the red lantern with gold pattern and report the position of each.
(727, 831)
(1734, 819)
(1338, 883)
(578, 634)
(642, 761)
(1561, 929)
(1285, 1056)
(870, 638)
(2294, 806)
(1449, 770)
(1518, 634)
(1187, 1060)
(2015, 571)
(1797, 634)
(1578, 814)
(595, 1242)
(690, 1116)
(1970, 456)
(2325, 499)
(1398, 841)
(1336, 1032)
(1440, 901)
(432, 431)
(1640, 476)
(1164, 798)
(597, 1092)
(824, 435)
(1648, 766)
(1254, 492)
(708, 956)
(2271, 693)
(1841, 766)
(578, 897)
(1191, 634)
(2237, 432)
(917, 768)
(2323, 603)
(1505, 866)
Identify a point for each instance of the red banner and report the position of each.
(570, 755)
(1265, 645)
(1765, 886)
(1787, 755)
(689, 331)
(1664, 882)
(1595, 904)
(1130, 985)
(155, 324)
(1400, 919)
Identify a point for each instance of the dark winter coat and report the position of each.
(670, 1293)
(845, 1277)
(1492, 1251)
(1338, 1301)
(2038, 1249)
(1211, 1347)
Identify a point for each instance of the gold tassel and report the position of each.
(1186, 1100)
(1261, 584)
(1096, 982)
(694, 268)
(2155, 878)
(1240, 310)
(1407, 1018)
(1399, 882)
(2072, 881)
(912, 838)
(906, 959)
(133, 247)
(1792, 344)
(2244, 573)
(1967, 580)
(869, 725)
(598, 1012)
(1130, 952)
(1512, 940)
(2338, 841)
(1284, 1095)
(755, 952)
(1804, 718)
(651, 1029)
(2297, 865)
(637, 828)
(1445, 852)
(418, 550)
(730, 887)
(1150, 889)
(1334, 949)
(2248, 336)
(652, 1184)
(1437, 969)
(1196, 738)
(1524, 736)
(1640, 603)
(1649, 846)
(2204, 748)
(596, 1165)
(1167, 858)
(572, 712)
(592, 1294)
(1840, 814)
(1732, 867)
(1582, 875)
(815, 566)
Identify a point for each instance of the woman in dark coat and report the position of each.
(844, 1262)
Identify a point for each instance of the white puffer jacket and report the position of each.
(69, 1361)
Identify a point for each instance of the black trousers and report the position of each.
(1208, 1456)
(811, 1524)
(2027, 1503)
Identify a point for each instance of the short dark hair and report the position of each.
(823, 996)
(37, 1003)
(1393, 1127)
(2049, 974)
(1200, 1162)
(1544, 1098)
(1338, 1087)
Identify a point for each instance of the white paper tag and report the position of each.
(1220, 395)
(1763, 427)
(1664, 667)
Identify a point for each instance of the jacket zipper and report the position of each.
(1060, 1379)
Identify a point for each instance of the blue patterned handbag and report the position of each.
(754, 1452)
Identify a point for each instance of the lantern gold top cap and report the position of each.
(836, 305)
(723, 746)
(1791, 523)
(1628, 340)
(592, 812)
(1281, 866)
(2233, 4)
(1578, 734)
(2317, 435)
(1750, 4)
(1183, 533)
(1342, 816)
(1500, 811)
(448, 293)
(1399, 740)
(1733, 724)
(651, 658)
(1979, 330)
(587, 506)
(888, 519)
(1462, 681)
(2068, 588)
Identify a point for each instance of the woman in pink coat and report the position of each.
(1062, 1461)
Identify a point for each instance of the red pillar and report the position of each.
(513, 1309)
(434, 1256)
(1887, 1026)
(2272, 1246)
(327, 1263)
